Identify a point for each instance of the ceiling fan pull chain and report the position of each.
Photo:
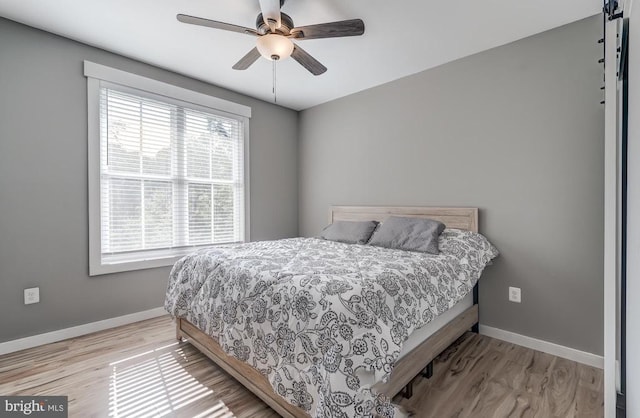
(275, 98)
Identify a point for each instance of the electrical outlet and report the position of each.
(514, 294)
(31, 295)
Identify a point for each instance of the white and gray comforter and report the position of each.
(323, 321)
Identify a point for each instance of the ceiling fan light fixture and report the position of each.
(274, 47)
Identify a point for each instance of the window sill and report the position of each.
(98, 269)
(142, 260)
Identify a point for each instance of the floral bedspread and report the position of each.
(322, 320)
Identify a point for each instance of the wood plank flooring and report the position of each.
(140, 370)
(480, 376)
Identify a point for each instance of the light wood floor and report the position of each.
(139, 370)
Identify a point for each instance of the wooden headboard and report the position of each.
(460, 218)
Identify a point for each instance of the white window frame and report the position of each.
(97, 73)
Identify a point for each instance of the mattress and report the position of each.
(421, 334)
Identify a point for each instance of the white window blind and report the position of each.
(171, 174)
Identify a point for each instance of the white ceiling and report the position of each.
(401, 37)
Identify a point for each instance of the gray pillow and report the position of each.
(350, 232)
(410, 234)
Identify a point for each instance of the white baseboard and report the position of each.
(63, 334)
(544, 346)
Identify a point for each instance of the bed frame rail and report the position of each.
(416, 361)
(249, 377)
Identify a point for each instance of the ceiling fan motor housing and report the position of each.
(286, 24)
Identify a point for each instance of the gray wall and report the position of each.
(43, 184)
(516, 131)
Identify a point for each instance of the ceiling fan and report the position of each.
(275, 31)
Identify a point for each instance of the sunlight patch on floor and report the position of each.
(156, 384)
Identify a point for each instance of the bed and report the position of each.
(407, 357)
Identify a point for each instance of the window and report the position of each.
(166, 175)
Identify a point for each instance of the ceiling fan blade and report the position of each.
(307, 61)
(246, 61)
(193, 20)
(353, 27)
(271, 13)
